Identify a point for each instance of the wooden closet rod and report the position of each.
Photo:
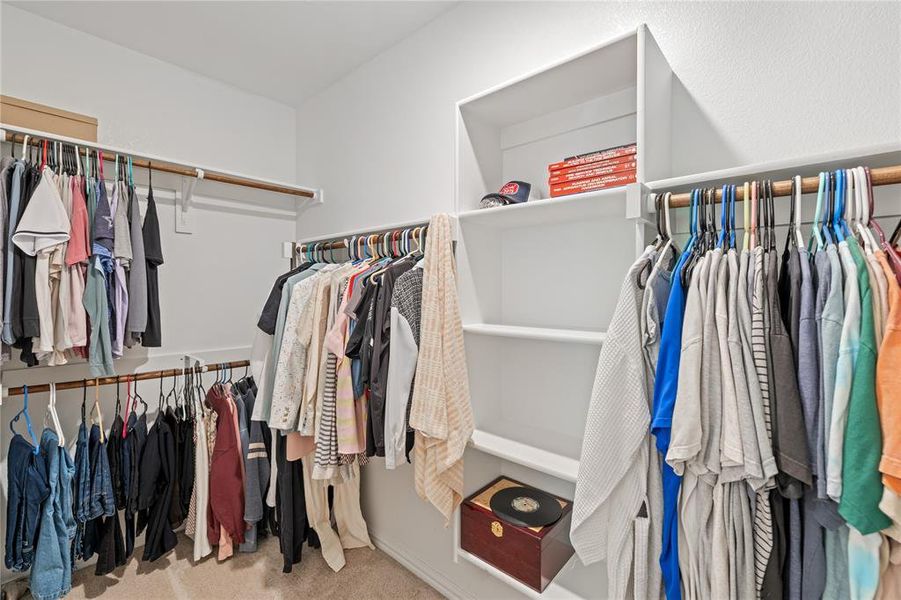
(78, 384)
(161, 164)
(879, 176)
(338, 243)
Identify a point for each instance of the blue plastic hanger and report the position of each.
(724, 217)
(35, 445)
(732, 216)
(838, 214)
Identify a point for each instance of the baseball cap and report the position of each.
(513, 192)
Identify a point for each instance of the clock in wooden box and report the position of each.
(532, 555)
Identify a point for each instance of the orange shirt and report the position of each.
(888, 383)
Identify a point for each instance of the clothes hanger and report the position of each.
(127, 402)
(862, 209)
(867, 185)
(36, 448)
(830, 202)
(51, 410)
(839, 197)
(118, 401)
(752, 200)
(159, 406)
(795, 221)
(771, 211)
(96, 407)
(138, 396)
(84, 399)
(732, 192)
(664, 228)
(693, 240)
(816, 234)
(724, 217)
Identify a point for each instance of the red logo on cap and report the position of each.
(510, 188)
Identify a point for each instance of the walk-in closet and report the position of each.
(481, 300)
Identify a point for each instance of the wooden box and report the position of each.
(31, 115)
(532, 555)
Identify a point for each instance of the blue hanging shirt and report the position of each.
(666, 383)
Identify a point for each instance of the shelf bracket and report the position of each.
(184, 223)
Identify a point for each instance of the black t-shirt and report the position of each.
(153, 256)
(270, 309)
(25, 320)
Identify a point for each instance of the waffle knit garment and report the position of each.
(441, 412)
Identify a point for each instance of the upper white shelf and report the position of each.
(882, 155)
(598, 71)
(611, 94)
(574, 208)
(544, 461)
(576, 336)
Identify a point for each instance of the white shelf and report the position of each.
(553, 590)
(557, 465)
(576, 336)
(881, 155)
(610, 202)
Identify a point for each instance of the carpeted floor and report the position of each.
(368, 574)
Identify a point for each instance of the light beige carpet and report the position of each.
(368, 574)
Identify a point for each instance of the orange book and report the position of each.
(590, 157)
(590, 173)
(594, 165)
(591, 185)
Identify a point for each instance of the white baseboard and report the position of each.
(422, 570)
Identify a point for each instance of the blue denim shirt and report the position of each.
(51, 575)
(27, 488)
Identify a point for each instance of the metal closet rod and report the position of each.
(158, 165)
(809, 185)
(78, 384)
(338, 243)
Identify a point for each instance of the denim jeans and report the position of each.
(102, 503)
(27, 488)
(82, 476)
(51, 574)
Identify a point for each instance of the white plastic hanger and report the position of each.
(817, 233)
(863, 210)
(25, 147)
(51, 408)
(96, 407)
(799, 239)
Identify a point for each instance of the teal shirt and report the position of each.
(861, 481)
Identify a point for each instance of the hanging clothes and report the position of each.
(153, 255)
(156, 478)
(405, 322)
(225, 516)
(616, 447)
(441, 412)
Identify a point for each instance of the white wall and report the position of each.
(215, 280)
(756, 82)
(143, 103)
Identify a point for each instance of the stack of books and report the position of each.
(592, 171)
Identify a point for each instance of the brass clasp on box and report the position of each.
(497, 529)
